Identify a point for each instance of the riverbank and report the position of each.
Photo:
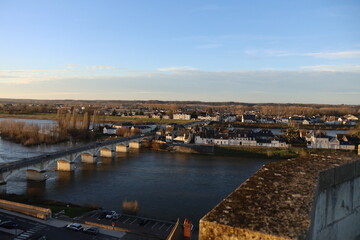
(68, 209)
(182, 148)
(241, 151)
(233, 151)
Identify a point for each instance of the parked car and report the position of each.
(91, 230)
(112, 215)
(143, 222)
(9, 224)
(74, 226)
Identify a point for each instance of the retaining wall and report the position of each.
(336, 209)
(39, 212)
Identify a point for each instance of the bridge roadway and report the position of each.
(26, 162)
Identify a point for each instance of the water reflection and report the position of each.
(35, 189)
(65, 178)
(106, 160)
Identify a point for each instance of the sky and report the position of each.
(230, 50)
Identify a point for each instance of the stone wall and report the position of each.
(336, 209)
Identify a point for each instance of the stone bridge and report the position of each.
(36, 166)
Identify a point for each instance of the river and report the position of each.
(166, 185)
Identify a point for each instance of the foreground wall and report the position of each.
(210, 230)
(336, 211)
(312, 197)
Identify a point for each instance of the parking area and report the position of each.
(137, 224)
(32, 230)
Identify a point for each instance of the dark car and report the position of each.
(9, 224)
(143, 222)
(103, 214)
(91, 230)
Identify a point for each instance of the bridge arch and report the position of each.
(87, 157)
(135, 144)
(65, 165)
(36, 175)
(106, 152)
(122, 147)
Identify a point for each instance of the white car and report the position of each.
(112, 215)
(74, 226)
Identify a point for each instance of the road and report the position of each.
(30, 230)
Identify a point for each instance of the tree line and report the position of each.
(70, 126)
(28, 133)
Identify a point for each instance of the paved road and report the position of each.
(29, 230)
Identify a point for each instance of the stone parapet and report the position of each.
(277, 202)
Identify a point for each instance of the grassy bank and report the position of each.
(70, 210)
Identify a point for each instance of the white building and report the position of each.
(109, 130)
(324, 142)
(181, 116)
(250, 142)
(229, 118)
(210, 118)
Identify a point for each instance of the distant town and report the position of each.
(226, 124)
(309, 151)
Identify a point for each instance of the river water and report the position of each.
(166, 185)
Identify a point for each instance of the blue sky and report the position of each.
(248, 51)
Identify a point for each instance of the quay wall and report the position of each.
(39, 212)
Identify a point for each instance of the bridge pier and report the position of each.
(122, 148)
(63, 165)
(135, 145)
(35, 175)
(105, 152)
(88, 158)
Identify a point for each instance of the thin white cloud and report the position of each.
(177, 69)
(285, 53)
(335, 55)
(333, 68)
(103, 68)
